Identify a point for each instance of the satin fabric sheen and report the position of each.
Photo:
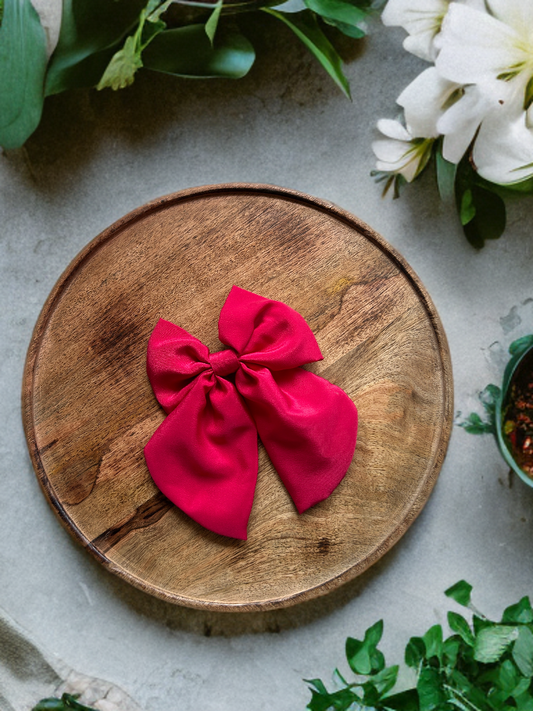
(203, 457)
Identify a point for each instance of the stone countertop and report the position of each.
(95, 157)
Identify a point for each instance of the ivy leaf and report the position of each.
(404, 701)
(429, 688)
(212, 23)
(89, 37)
(460, 592)
(492, 642)
(305, 27)
(414, 652)
(473, 424)
(459, 625)
(363, 657)
(519, 613)
(433, 642)
(66, 702)
(187, 52)
(378, 685)
(121, 69)
(346, 17)
(523, 651)
(520, 346)
(450, 651)
(23, 62)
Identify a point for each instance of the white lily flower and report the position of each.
(503, 151)
(422, 19)
(478, 48)
(400, 153)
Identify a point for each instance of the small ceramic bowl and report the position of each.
(514, 410)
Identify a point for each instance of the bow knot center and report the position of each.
(224, 362)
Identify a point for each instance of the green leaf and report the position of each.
(49, 705)
(467, 211)
(519, 613)
(414, 652)
(492, 642)
(489, 219)
(520, 346)
(90, 35)
(460, 625)
(524, 701)
(528, 99)
(523, 651)
(446, 173)
(433, 642)
(363, 657)
(121, 69)
(305, 27)
(66, 702)
(473, 424)
(379, 684)
(187, 52)
(340, 700)
(404, 701)
(346, 17)
(450, 651)
(429, 689)
(212, 23)
(22, 69)
(318, 684)
(460, 592)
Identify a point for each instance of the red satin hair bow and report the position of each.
(203, 457)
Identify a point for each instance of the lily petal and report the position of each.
(516, 13)
(422, 20)
(424, 100)
(394, 129)
(475, 47)
(503, 151)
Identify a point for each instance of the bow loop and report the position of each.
(204, 455)
(266, 332)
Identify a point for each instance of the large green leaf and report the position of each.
(492, 642)
(187, 52)
(305, 27)
(346, 17)
(22, 68)
(90, 32)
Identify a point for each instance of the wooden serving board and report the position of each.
(89, 409)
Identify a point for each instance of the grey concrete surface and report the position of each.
(98, 155)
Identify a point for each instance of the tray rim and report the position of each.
(204, 191)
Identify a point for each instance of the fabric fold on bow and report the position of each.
(203, 456)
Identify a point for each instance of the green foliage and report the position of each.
(481, 666)
(305, 26)
(490, 398)
(495, 401)
(22, 68)
(104, 43)
(66, 703)
(91, 33)
(481, 209)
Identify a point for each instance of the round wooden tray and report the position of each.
(89, 409)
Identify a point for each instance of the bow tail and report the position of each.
(203, 457)
(307, 425)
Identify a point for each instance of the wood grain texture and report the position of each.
(89, 409)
